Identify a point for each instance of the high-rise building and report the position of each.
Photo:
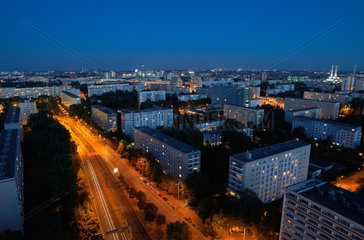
(11, 181)
(341, 134)
(26, 109)
(268, 170)
(348, 83)
(221, 95)
(13, 119)
(318, 210)
(244, 115)
(153, 96)
(306, 112)
(104, 117)
(328, 109)
(101, 89)
(176, 158)
(151, 117)
(323, 96)
(69, 98)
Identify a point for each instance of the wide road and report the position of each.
(112, 160)
(112, 206)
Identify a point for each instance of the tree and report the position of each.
(141, 196)
(218, 224)
(150, 212)
(161, 219)
(178, 231)
(132, 193)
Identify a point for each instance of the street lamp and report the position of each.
(116, 170)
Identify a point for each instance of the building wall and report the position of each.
(312, 113)
(101, 89)
(26, 109)
(221, 95)
(173, 161)
(153, 96)
(244, 115)
(268, 176)
(322, 96)
(105, 120)
(10, 216)
(68, 100)
(328, 109)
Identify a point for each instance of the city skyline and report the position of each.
(164, 35)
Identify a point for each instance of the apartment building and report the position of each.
(244, 115)
(176, 158)
(324, 96)
(329, 110)
(101, 89)
(104, 117)
(27, 108)
(151, 117)
(318, 210)
(306, 112)
(268, 170)
(11, 181)
(153, 96)
(342, 134)
(53, 91)
(221, 95)
(69, 98)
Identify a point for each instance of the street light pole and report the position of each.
(178, 194)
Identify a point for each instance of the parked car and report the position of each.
(165, 199)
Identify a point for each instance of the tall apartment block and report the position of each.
(13, 119)
(306, 112)
(101, 89)
(153, 96)
(323, 96)
(151, 117)
(26, 109)
(11, 181)
(318, 210)
(176, 158)
(221, 95)
(268, 170)
(104, 117)
(69, 98)
(342, 134)
(244, 115)
(328, 109)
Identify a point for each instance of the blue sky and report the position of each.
(181, 34)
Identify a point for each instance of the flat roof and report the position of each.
(311, 100)
(249, 108)
(103, 109)
(8, 145)
(340, 124)
(170, 141)
(153, 108)
(303, 109)
(339, 200)
(70, 94)
(267, 151)
(13, 116)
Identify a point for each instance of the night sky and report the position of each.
(121, 35)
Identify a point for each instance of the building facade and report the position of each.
(176, 158)
(104, 117)
(221, 95)
(69, 98)
(153, 96)
(11, 181)
(13, 120)
(323, 96)
(306, 112)
(341, 134)
(318, 210)
(151, 117)
(268, 170)
(26, 109)
(245, 115)
(191, 97)
(53, 91)
(329, 110)
(210, 125)
(101, 89)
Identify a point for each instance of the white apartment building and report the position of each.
(342, 134)
(151, 117)
(153, 96)
(324, 96)
(191, 97)
(101, 89)
(69, 98)
(244, 115)
(104, 117)
(318, 210)
(175, 157)
(26, 109)
(328, 109)
(268, 170)
(11, 181)
(54, 91)
(211, 125)
(306, 112)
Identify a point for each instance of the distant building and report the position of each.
(69, 99)
(13, 120)
(176, 158)
(154, 96)
(54, 91)
(101, 89)
(191, 97)
(323, 96)
(104, 117)
(328, 109)
(244, 115)
(348, 83)
(318, 210)
(151, 117)
(210, 125)
(11, 181)
(341, 134)
(306, 112)
(27, 108)
(221, 95)
(212, 138)
(274, 101)
(268, 170)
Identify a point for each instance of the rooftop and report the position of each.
(310, 100)
(263, 152)
(103, 109)
(154, 108)
(339, 200)
(303, 109)
(13, 116)
(8, 144)
(336, 123)
(170, 141)
(70, 94)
